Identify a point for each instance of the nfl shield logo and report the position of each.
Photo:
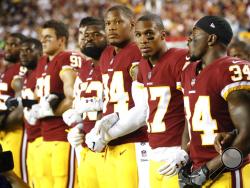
(144, 153)
(193, 82)
(149, 75)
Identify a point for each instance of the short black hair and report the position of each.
(154, 18)
(34, 41)
(123, 9)
(237, 44)
(60, 28)
(20, 36)
(89, 20)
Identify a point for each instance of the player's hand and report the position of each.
(31, 115)
(94, 141)
(107, 121)
(200, 176)
(224, 140)
(195, 179)
(75, 135)
(172, 167)
(184, 176)
(12, 103)
(71, 116)
(46, 109)
(89, 105)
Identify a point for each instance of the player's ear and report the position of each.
(212, 39)
(132, 23)
(63, 40)
(163, 34)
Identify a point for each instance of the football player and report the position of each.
(87, 105)
(126, 133)
(216, 99)
(11, 134)
(55, 77)
(31, 51)
(159, 71)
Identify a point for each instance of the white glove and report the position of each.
(107, 122)
(31, 115)
(94, 141)
(75, 136)
(88, 105)
(173, 166)
(46, 109)
(71, 116)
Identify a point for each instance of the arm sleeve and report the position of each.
(135, 117)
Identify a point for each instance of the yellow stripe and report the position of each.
(65, 69)
(178, 87)
(245, 87)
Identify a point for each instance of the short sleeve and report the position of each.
(235, 76)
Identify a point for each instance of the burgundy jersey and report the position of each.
(29, 84)
(88, 84)
(6, 79)
(205, 101)
(166, 110)
(49, 82)
(117, 81)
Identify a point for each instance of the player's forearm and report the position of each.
(64, 105)
(239, 108)
(15, 116)
(185, 138)
(134, 119)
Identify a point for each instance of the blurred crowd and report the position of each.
(27, 15)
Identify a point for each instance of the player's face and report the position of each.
(81, 38)
(148, 38)
(118, 28)
(92, 41)
(197, 44)
(51, 44)
(12, 49)
(29, 55)
(237, 52)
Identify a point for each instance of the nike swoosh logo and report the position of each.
(234, 62)
(122, 152)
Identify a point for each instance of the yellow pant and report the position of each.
(56, 167)
(225, 181)
(12, 140)
(91, 169)
(160, 181)
(121, 167)
(34, 149)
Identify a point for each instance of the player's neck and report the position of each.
(212, 55)
(51, 56)
(121, 45)
(95, 61)
(155, 58)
